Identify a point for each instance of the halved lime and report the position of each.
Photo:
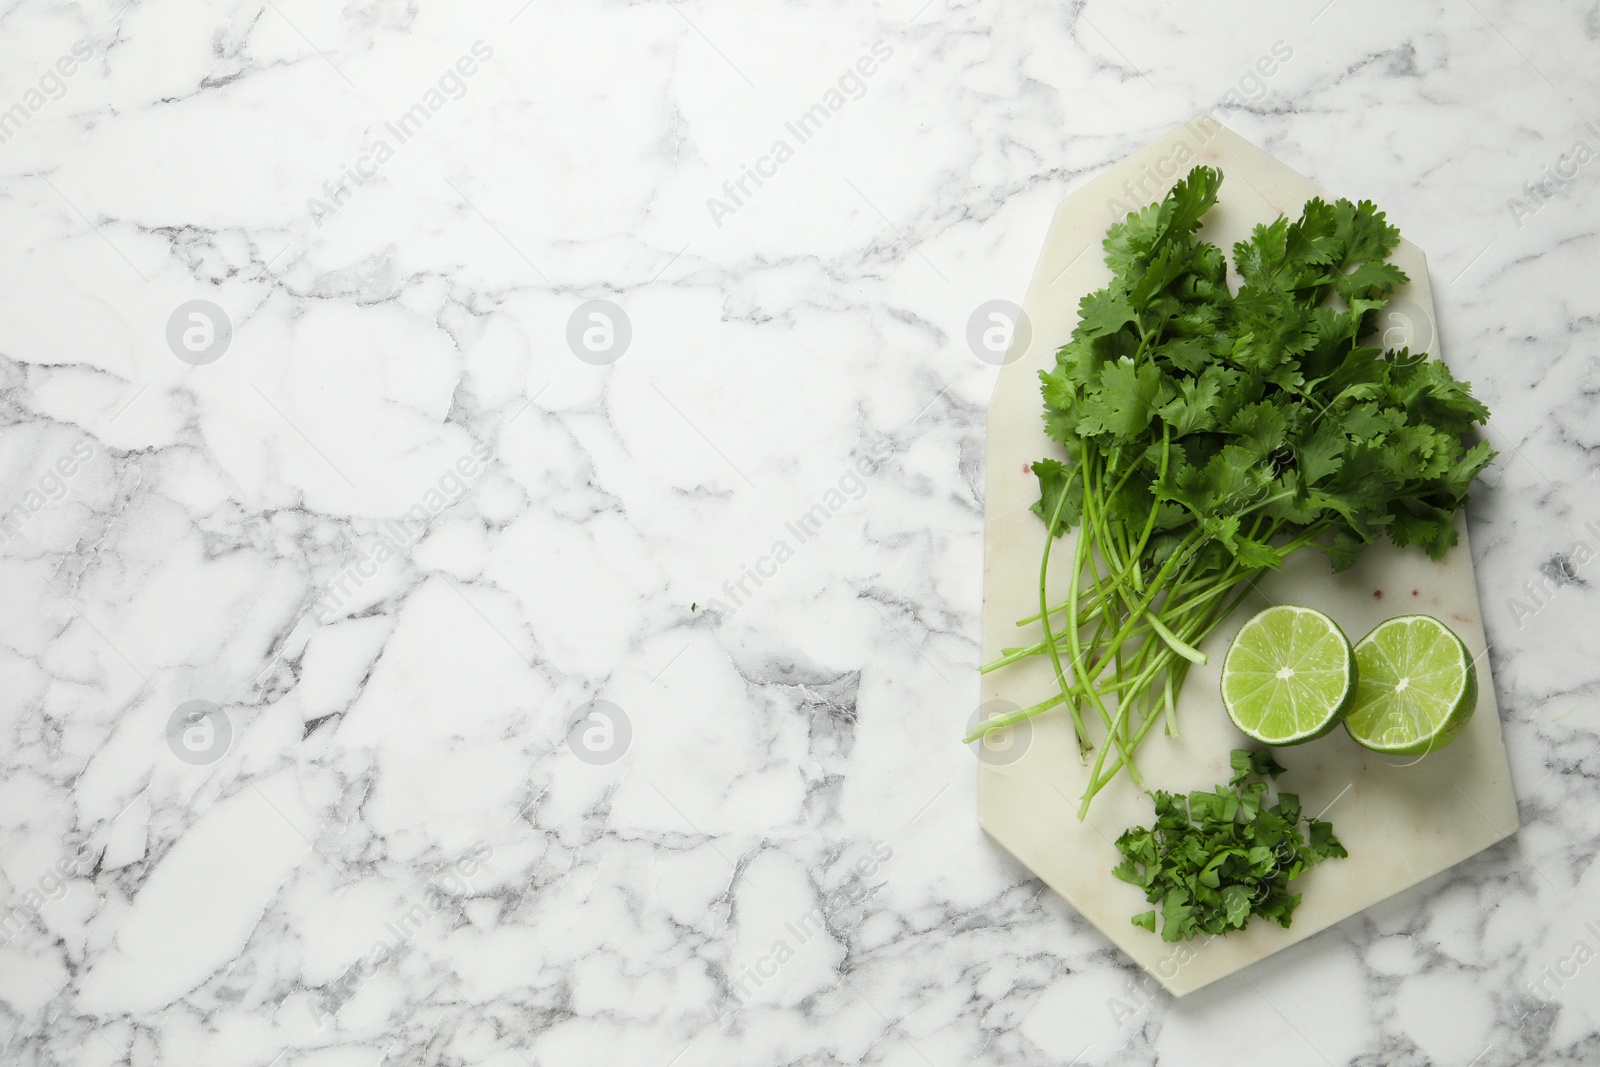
(1289, 676)
(1418, 688)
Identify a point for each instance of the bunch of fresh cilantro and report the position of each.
(1214, 859)
(1208, 434)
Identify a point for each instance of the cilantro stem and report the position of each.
(1012, 717)
(1207, 625)
(1083, 556)
(1188, 652)
(1049, 638)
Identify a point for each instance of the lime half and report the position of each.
(1418, 688)
(1289, 676)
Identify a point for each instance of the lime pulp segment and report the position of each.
(1289, 676)
(1417, 687)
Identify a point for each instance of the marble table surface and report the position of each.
(490, 523)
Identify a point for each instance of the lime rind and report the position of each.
(1417, 689)
(1289, 677)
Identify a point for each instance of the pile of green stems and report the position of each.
(1146, 621)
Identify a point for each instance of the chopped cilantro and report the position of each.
(1213, 859)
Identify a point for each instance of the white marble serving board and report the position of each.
(1403, 820)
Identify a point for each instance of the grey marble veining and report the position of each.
(586, 690)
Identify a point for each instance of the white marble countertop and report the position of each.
(398, 511)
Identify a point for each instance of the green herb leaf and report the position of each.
(1054, 480)
(1236, 902)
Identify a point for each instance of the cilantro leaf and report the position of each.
(1055, 478)
(1236, 903)
(1122, 406)
(1103, 312)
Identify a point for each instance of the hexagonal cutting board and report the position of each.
(1402, 819)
